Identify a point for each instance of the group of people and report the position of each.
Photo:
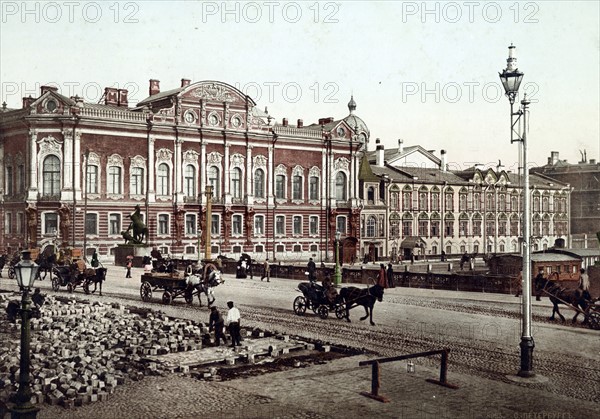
(385, 277)
(232, 321)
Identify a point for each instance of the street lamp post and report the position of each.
(207, 244)
(337, 276)
(511, 79)
(26, 272)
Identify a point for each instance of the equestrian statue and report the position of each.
(137, 232)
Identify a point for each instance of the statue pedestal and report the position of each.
(138, 251)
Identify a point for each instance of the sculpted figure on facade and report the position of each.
(64, 214)
(31, 213)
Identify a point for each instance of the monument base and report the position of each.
(138, 251)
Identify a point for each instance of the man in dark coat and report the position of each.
(312, 270)
(390, 275)
(217, 323)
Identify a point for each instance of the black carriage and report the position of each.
(174, 285)
(321, 300)
(71, 276)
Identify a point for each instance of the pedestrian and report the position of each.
(443, 256)
(266, 270)
(584, 284)
(94, 261)
(382, 276)
(538, 289)
(219, 264)
(312, 270)
(412, 257)
(519, 284)
(249, 270)
(147, 263)
(390, 275)
(128, 265)
(216, 322)
(233, 324)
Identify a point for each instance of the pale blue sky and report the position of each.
(304, 59)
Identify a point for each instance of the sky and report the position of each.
(424, 72)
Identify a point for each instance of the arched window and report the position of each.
(114, 180)
(236, 182)
(371, 195)
(92, 179)
(136, 183)
(297, 187)
(280, 186)
(259, 183)
(213, 180)
(162, 184)
(51, 174)
(190, 181)
(340, 186)
(313, 193)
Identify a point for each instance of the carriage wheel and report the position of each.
(86, 287)
(323, 311)
(340, 312)
(594, 319)
(11, 273)
(146, 291)
(167, 298)
(189, 296)
(300, 305)
(70, 287)
(55, 283)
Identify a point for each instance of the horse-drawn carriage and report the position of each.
(78, 275)
(575, 299)
(320, 299)
(193, 283)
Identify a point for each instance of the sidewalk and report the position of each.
(328, 391)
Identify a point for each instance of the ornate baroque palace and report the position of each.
(74, 171)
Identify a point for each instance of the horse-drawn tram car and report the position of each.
(175, 284)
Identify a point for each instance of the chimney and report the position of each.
(154, 87)
(111, 96)
(123, 101)
(553, 158)
(400, 145)
(478, 166)
(45, 89)
(379, 153)
(499, 167)
(300, 123)
(27, 101)
(592, 161)
(443, 163)
(185, 82)
(323, 121)
(284, 122)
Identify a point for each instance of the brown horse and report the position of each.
(560, 295)
(366, 297)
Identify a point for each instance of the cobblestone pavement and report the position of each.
(482, 331)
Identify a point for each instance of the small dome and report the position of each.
(352, 104)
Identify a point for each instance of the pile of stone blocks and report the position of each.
(81, 351)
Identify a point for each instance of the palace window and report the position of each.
(162, 184)
(280, 225)
(236, 225)
(114, 224)
(297, 223)
(51, 176)
(51, 224)
(340, 186)
(214, 181)
(371, 225)
(189, 181)
(313, 188)
(297, 187)
(236, 182)
(136, 182)
(114, 180)
(190, 224)
(163, 224)
(313, 222)
(259, 224)
(91, 224)
(259, 183)
(215, 224)
(92, 179)
(280, 187)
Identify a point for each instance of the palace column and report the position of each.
(151, 190)
(32, 189)
(249, 191)
(177, 170)
(203, 173)
(226, 176)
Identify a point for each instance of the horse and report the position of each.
(559, 295)
(94, 276)
(46, 261)
(366, 297)
(140, 231)
(204, 286)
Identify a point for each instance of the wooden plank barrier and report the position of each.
(375, 371)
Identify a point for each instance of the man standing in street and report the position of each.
(538, 280)
(390, 275)
(233, 323)
(215, 321)
(584, 284)
(312, 270)
(266, 271)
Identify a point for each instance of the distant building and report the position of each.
(409, 194)
(584, 179)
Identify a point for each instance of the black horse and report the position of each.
(45, 261)
(366, 297)
(93, 276)
(560, 295)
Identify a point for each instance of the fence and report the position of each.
(375, 374)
